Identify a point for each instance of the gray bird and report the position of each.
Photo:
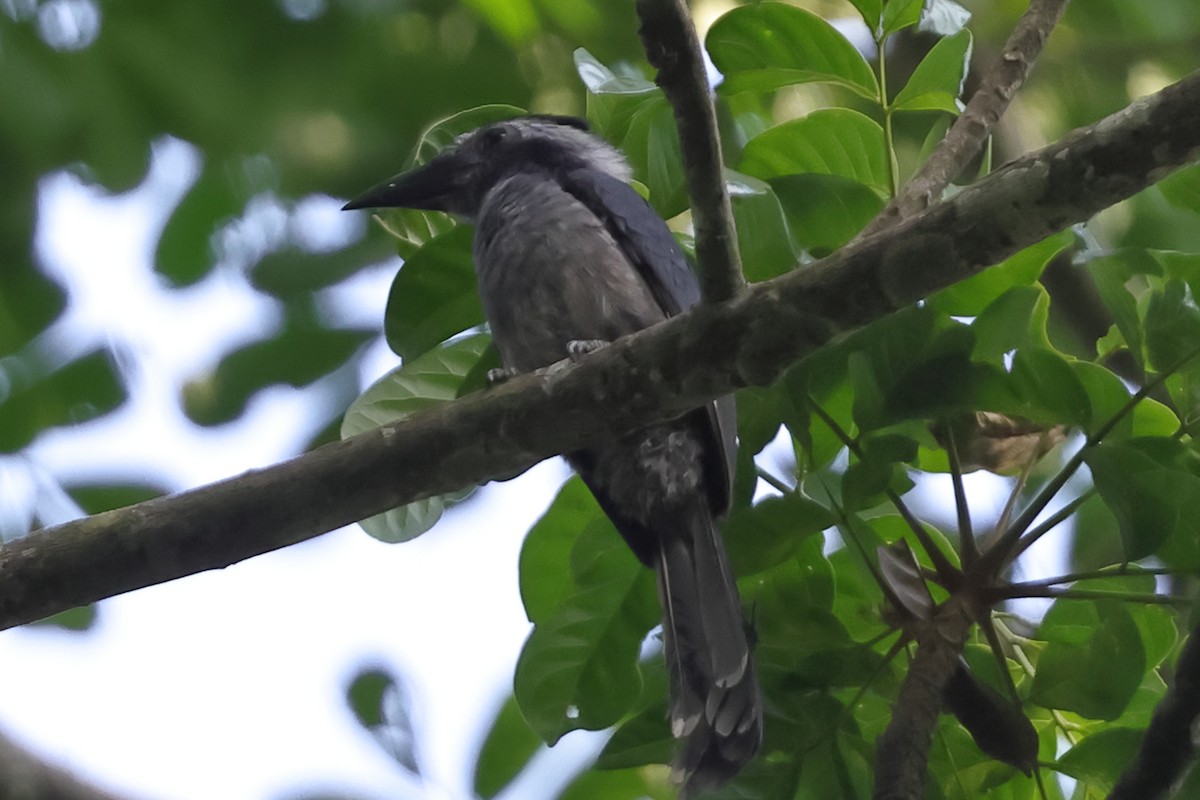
(568, 257)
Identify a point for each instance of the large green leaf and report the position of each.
(972, 296)
(764, 241)
(434, 296)
(1094, 659)
(825, 211)
(509, 746)
(763, 536)
(1152, 502)
(548, 545)
(425, 382)
(835, 141)
(578, 668)
(764, 46)
(1102, 756)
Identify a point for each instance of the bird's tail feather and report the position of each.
(715, 708)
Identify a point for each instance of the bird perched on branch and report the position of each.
(568, 257)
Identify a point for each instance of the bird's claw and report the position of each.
(499, 375)
(578, 348)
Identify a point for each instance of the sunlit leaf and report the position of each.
(425, 382)
(835, 141)
(937, 82)
(764, 46)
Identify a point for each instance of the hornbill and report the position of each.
(568, 257)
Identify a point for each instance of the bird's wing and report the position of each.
(650, 246)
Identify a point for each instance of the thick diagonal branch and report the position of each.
(657, 374)
(673, 49)
(1167, 747)
(969, 132)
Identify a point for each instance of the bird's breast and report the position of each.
(550, 272)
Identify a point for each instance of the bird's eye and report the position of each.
(494, 136)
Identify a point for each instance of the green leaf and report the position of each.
(937, 82)
(900, 14)
(834, 141)
(624, 784)
(294, 271)
(1152, 502)
(1108, 395)
(425, 382)
(825, 212)
(434, 296)
(1093, 662)
(94, 498)
(77, 620)
(84, 389)
(1182, 189)
(870, 10)
(185, 253)
(645, 737)
(764, 241)
(1015, 319)
(509, 746)
(970, 297)
(1046, 381)
(578, 668)
(1100, 758)
(297, 356)
(1172, 325)
(765, 46)
(1111, 273)
(548, 546)
(762, 536)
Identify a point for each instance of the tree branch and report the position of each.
(969, 132)
(1167, 746)
(657, 374)
(902, 756)
(670, 41)
(22, 775)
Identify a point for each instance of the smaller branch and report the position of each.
(774, 482)
(1167, 746)
(1055, 519)
(1015, 590)
(970, 131)
(966, 535)
(674, 50)
(1120, 571)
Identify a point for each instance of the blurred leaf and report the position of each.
(84, 389)
(578, 668)
(293, 271)
(297, 356)
(937, 82)
(94, 498)
(380, 703)
(1182, 189)
(1093, 661)
(834, 141)
(76, 620)
(765, 46)
(625, 784)
(29, 302)
(509, 746)
(645, 736)
(1108, 395)
(1015, 319)
(425, 382)
(825, 212)
(434, 295)
(1045, 379)
(1101, 757)
(185, 253)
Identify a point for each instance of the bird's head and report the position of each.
(459, 178)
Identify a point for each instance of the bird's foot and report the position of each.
(578, 348)
(499, 375)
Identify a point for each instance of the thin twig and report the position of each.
(1122, 570)
(1052, 522)
(1015, 590)
(673, 48)
(970, 131)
